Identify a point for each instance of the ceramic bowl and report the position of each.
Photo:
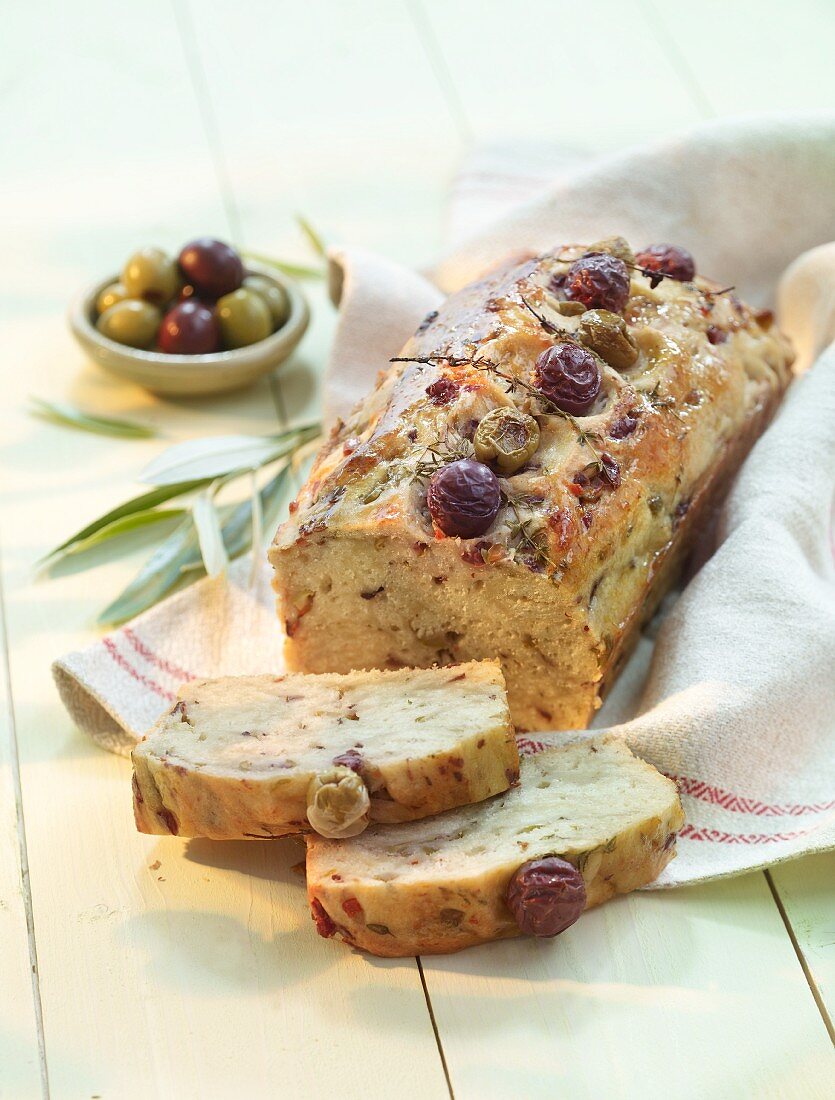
(183, 375)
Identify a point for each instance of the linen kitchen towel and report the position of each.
(735, 695)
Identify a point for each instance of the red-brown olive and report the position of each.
(599, 281)
(569, 377)
(463, 498)
(668, 259)
(190, 328)
(212, 267)
(546, 896)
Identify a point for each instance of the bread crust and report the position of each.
(459, 903)
(176, 792)
(557, 588)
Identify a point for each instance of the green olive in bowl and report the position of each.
(244, 318)
(152, 275)
(276, 297)
(113, 293)
(130, 322)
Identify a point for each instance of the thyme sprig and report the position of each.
(549, 326)
(437, 454)
(512, 383)
(657, 401)
(526, 532)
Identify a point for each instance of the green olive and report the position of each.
(244, 318)
(276, 297)
(569, 309)
(338, 803)
(108, 297)
(607, 335)
(130, 322)
(615, 246)
(506, 437)
(151, 275)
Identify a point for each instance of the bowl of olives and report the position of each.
(201, 323)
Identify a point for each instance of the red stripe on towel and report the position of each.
(152, 685)
(153, 658)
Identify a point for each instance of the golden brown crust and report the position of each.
(555, 587)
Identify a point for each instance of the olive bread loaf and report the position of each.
(526, 479)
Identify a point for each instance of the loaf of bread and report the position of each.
(268, 756)
(525, 481)
(488, 872)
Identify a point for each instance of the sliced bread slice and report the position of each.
(246, 756)
(436, 886)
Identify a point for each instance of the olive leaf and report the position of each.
(59, 412)
(158, 575)
(180, 554)
(124, 526)
(314, 239)
(294, 270)
(217, 456)
(257, 526)
(143, 503)
(209, 533)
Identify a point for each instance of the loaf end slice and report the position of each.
(234, 757)
(439, 885)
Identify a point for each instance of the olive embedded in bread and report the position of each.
(615, 246)
(507, 437)
(546, 896)
(598, 280)
(668, 259)
(568, 377)
(463, 498)
(607, 335)
(338, 803)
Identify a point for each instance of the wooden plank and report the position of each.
(805, 889)
(332, 110)
(201, 976)
(556, 72)
(690, 993)
(20, 1063)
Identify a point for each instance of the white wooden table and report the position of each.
(136, 967)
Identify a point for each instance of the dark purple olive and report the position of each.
(599, 281)
(668, 259)
(463, 498)
(190, 328)
(212, 267)
(546, 896)
(569, 377)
